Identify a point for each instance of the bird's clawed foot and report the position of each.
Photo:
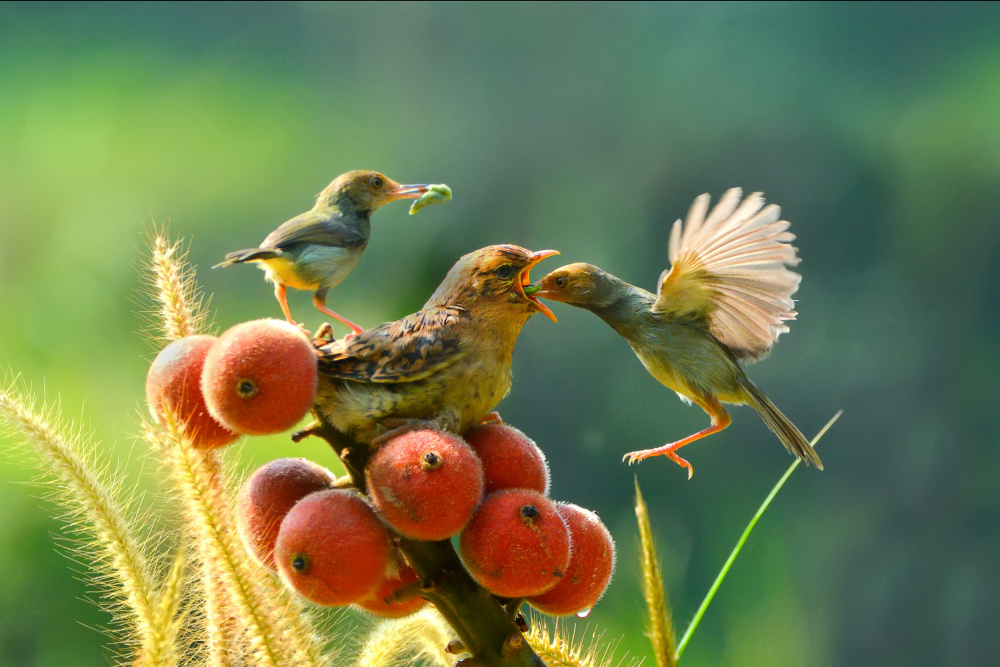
(324, 334)
(670, 451)
(312, 429)
(492, 417)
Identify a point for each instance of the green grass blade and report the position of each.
(743, 538)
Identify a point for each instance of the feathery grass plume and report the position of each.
(270, 637)
(91, 507)
(180, 308)
(659, 622)
(418, 638)
(743, 538)
(162, 650)
(556, 650)
(220, 627)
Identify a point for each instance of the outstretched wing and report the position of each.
(406, 350)
(729, 269)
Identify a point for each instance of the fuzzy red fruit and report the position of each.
(268, 495)
(590, 565)
(332, 548)
(426, 484)
(410, 602)
(174, 383)
(511, 460)
(517, 544)
(261, 377)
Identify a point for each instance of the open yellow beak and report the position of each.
(523, 286)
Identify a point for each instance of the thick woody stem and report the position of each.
(485, 628)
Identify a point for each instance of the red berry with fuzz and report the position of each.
(511, 460)
(590, 566)
(426, 484)
(402, 584)
(332, 548)
(174, 384)
(268, 495)
(517, 544)
(261, 377)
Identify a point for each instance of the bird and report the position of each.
(317, 249)
(447, 364)
(722, 302)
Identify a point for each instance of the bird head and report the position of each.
(577, 284)
(496, 277)
(365, 191)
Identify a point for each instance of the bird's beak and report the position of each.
(406, 192)
(523, 286)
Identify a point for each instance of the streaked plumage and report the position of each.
(724, 300)
(449, 363)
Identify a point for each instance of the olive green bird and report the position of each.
(723, 301)
(317, 249)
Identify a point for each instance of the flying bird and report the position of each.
(317, 249)
(723, 301)
(448, 364)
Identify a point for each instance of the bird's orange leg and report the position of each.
(280, 293)
(319, 300)
(720, 420)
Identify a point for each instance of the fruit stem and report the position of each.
(480, 621)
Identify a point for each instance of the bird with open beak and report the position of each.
(722, 302)
(317, 249)
(448, 364)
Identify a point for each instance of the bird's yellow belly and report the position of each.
(282, 270)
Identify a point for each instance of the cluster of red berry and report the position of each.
(258, 378)
(337, 546)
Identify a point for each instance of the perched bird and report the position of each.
(448, 364)
(722, 302)
(317, 249)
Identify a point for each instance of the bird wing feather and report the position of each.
(729, 267)
(406, 350)
(316, 228)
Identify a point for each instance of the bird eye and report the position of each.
(561, 281)
(505, 272)
(377, 182)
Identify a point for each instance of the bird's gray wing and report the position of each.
(317, 228)
(406, 350)
(730, 270)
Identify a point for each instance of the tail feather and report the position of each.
(248, 255)
(791, 437)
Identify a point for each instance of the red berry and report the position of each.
(174, 383)
(516, 545)
(590, 565)
(261, 377)
(426, 484)
(376, 603)
(332, 548)
(268, 495)
(511, 460)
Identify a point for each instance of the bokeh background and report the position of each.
(589, 129)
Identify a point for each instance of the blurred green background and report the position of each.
(589, 129)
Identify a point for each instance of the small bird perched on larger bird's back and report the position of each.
(448, 364)
(317, 249)
(723, 301)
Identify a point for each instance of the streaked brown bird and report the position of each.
(317, 249)
(723, 301)
(448, 364)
